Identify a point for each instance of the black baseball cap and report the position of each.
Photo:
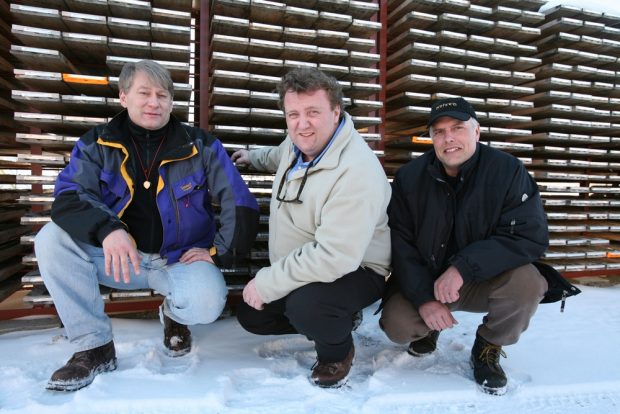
(457, 108)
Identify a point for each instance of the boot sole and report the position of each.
(418, 354)
(338, 384)
(493, 391)
(489, 390)
(68, 386)
(178, 353)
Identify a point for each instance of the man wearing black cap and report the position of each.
(467, 223)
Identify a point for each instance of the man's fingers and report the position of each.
(108, 262)
(116, 266)
(135, 261)
(125, 269)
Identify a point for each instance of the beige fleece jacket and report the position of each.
(341, 223)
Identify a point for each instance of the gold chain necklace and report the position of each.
(147, 171)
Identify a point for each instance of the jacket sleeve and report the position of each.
(267, 159)
(239, 209)
(347, 224)
(78, 207)
(521, 235)
(413, 278)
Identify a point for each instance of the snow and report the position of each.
(602, 6)
(564, 363)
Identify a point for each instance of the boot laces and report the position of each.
(491, 354)
(329, 367)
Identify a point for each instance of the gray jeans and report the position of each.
(509, 299)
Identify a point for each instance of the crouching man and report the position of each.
(132, 210)
(329, 241)
(467, 222)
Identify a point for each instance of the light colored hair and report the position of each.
(472, 121)
(155, 72)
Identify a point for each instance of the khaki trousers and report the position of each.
(509, 299)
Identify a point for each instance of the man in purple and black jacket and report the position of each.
(133, 210)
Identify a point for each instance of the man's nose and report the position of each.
(304, 121)
(152, 100)
(449, 134)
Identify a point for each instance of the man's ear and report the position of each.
(338, 110)
(123, 98)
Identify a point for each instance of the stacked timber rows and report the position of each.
(545, 88)
(67, 56)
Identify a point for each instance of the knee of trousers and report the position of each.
(396, 329)
(252, 320)
(400, 321)
(201, 299)
(51, 245)
(48, 240)
(311, 315)
(526, 285)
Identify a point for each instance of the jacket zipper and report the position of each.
(445, 243)
(564, 296)
(148, 156)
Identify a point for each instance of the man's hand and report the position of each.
(447, 285)
(251, 296)
(241, 157)
(118, 251)
(437, 316)
(196, 254)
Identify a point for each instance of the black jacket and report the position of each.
(495, 212)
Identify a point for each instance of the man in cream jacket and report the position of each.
(329, 242)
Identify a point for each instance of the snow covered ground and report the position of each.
(565, 363)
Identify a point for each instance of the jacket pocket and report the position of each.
(112, 187)
(193, 204)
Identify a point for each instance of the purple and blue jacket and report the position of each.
(94, 189)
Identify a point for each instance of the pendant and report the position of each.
(147, 184)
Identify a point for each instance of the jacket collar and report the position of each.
(180, 145)
(338, 143)
(435, 168)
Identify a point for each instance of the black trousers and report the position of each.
(321, 311)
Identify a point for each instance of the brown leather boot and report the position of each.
(177, 338)
(332, 374)
(82, 368)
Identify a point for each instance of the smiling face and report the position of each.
(310, 120)
(454, 142)
(149, 105)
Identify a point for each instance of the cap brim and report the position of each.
(461, 116)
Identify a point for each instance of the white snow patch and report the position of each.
(565, 363)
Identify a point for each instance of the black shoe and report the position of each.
(82, 368)
(177, 338)
(358, 317)
(332, 374)
(488, 373)
(424, 346)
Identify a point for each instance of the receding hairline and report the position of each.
(154, 71)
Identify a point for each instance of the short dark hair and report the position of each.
(156, 72)
(309, 80)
